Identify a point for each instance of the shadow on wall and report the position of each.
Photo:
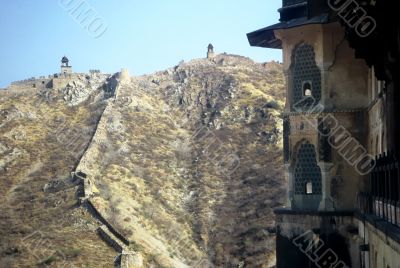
(289, 255)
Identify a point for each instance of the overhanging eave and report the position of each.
(266, 37)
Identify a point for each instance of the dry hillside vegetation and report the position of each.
(185, 163)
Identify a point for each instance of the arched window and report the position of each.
(307, 174)
(309, 188)
(306, 76)
(307, 89)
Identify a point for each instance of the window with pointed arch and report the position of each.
(307, 89)
(307, 174)
(306, 76)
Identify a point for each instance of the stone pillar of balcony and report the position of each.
(289, 180)
(326, 203)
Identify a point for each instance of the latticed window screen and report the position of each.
(306, 170)
(305, 72)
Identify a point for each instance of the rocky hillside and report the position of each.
(185, 164)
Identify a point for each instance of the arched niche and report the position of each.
(306, 77)
(307, 177)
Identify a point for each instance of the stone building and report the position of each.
(341, 137)
(58, 80)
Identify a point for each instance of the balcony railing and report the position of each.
(383, 198)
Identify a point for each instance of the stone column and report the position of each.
(289, 179)
(326, 101)
(326, 202)
(288, 85)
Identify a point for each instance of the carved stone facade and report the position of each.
(320, 165)
(338, 118)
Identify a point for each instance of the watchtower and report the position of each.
(65, 68)
(210, 51)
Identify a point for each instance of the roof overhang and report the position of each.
(266, 37)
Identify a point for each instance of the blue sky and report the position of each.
(143, 36)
